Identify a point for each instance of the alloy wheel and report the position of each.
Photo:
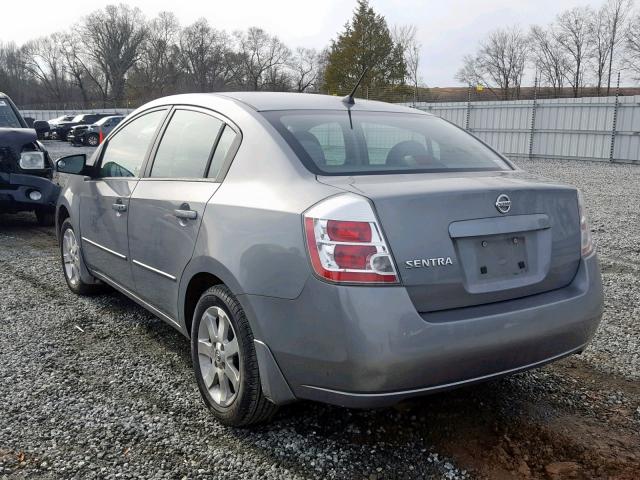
(219, 356)
(71, 256)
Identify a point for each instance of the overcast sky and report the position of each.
(447, 29)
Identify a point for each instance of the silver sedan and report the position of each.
(314, 248)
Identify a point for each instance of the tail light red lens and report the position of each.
(348, 250)
(353, 256)
(340, 231)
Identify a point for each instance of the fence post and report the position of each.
(467, 120)
(615, 122)
(534, 107)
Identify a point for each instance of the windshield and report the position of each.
(8, 118)
(332, 143)
(77, 118)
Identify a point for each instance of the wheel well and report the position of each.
(200, 283)
(63, 214)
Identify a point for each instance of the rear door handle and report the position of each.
(119, 207)
(186, 214)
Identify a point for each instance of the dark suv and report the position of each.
(26, 170)
(62, 129)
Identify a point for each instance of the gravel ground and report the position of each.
(99, 388)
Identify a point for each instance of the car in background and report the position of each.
(356, 253)
(53, 123)
(94, 134)
(26, 170)
(62, 128)
(75, 134)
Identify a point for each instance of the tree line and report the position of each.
(117, 57)
(583, 47)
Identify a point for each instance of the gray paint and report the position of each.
(351, 345)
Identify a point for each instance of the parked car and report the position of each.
(53, 123)
(62, 128)
(313, 248)
(96, 133)
(26, 170)
(41, 127)
(76, 134)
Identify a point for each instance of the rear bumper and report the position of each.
(15, 188)
(369, 347)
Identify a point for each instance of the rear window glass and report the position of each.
(334, 143)
(8, 118)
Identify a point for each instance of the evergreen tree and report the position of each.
(366, 42)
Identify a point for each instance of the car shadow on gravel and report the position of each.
(513, 427)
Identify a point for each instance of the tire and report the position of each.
(246, 404)
(92, 140)
(45, 218)
(74, 282)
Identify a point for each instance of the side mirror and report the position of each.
(73, 164)
(41, 127)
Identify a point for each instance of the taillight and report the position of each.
(346, 243)
(586, 239)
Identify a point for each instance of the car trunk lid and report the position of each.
(454, 248)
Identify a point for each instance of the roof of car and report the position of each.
(3, 95)
(264, 101)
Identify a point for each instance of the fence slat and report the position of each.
(579, 129)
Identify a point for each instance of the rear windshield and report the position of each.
(8, 118)
(334, 143)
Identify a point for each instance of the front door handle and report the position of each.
(185, 213)
(119, 207)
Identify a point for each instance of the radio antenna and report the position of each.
(349, 100)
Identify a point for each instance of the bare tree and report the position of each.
(632, 45)
(76, 64)
(616, 12)
(44, 61)
(549, 58)
(114, 37)
(572, 33)
(469, 74)
(305, 64)
(502, 58)
(600, 39)
(405, 37)
(206, 57)
(12, 71)
(262, 57)
(156, 71)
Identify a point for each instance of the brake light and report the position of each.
(345, 242)
(100, 136)
(586, 239)
(349, 231)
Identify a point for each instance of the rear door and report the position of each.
(104, 203)
(168, 204)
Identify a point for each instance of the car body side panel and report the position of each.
(104, 230)
(160, 243)
(69, 199)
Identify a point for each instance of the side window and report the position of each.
(222, 149)
(125, 152)
(186, 145)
